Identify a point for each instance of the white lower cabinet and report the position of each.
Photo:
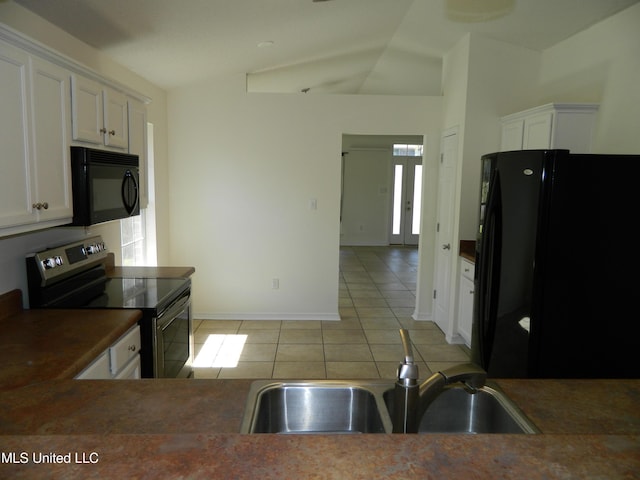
(465, 300)
(120, 361)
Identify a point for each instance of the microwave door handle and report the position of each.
(129, 191)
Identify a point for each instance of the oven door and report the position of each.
(173, 346)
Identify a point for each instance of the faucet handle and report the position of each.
(471, 375)
(407, 370)
(406, 346)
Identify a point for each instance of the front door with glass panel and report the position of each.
(406, 200)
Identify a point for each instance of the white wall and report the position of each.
(367, 190)
(245, 168)
(600, 65)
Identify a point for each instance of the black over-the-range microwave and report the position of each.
(105, 185)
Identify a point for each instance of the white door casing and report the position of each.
(444, 231)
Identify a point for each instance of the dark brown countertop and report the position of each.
(151, 272)
(218, 456)
(38, 345)
(468, 250)
(145, 272)
(187, 428)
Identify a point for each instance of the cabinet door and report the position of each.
(126, 348)
(512, 135)
(131, 371)
(50, 119)
(537, 131)
(15, 180)
(87, 114)
(115, 119)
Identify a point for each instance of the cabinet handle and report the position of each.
(132, 348)
(45, 205)
(103, 130)
(40, 206)
(112, 133)
(471, 292)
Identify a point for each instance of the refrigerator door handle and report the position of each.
(489, 281)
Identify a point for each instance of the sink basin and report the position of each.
(456, 410)
(330, 407)
(314, 407)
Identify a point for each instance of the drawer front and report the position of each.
(131, 371)
(467, 269)
(125, 349)
(97, 370)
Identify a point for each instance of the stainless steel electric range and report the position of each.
(74, 276)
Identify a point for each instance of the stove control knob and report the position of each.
(91, 249)
(49, 263)
(59, 261)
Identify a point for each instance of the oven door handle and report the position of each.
(173, 310)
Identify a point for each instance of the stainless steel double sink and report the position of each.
(343, 406)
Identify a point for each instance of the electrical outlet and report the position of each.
(275, 283)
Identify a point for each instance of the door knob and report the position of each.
(446, 246)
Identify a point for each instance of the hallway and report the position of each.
(377, 297)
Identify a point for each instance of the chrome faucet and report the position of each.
(412, 399)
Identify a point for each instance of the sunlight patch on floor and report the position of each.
(220, 351)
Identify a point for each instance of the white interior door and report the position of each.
(444, 233)
(406, 200)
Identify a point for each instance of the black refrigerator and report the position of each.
(557, 289)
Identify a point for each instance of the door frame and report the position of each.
(444, 283)
(408, 185)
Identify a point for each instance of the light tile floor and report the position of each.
(377, 297)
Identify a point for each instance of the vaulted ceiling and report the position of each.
(329, 46)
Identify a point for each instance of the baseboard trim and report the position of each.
(422, 317)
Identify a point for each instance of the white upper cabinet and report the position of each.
(116, 119)
(35, 185)
(566, 126)
(48, 102)
(100, 114)
(15, 181)
(51, 121)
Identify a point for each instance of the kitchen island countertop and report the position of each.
(167, 428)
(43, 344)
